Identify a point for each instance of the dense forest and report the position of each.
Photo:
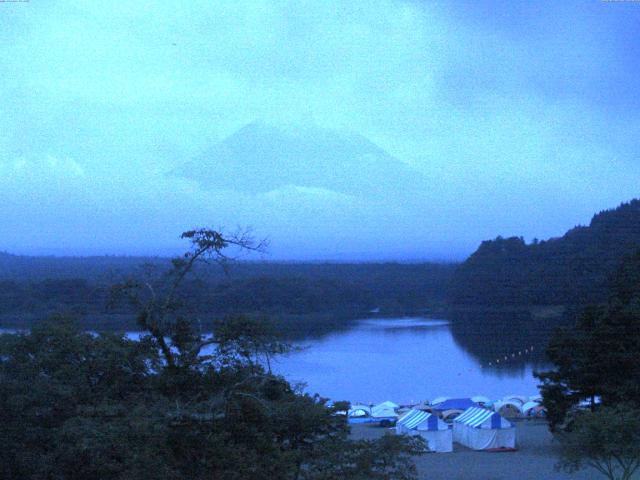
(302, 298)
(574, 269)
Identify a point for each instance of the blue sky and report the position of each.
(523, 118)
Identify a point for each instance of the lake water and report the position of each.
(406, 360)
(403, 360)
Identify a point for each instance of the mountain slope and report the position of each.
(573, 269)
(260, 158)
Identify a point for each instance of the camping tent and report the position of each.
(533, 409)
(434, 431)
(359, 414)
(384, 413)
(516, 399)
(481, 429)
(385, 410)
(449, 415)
(424, 405)
(481, 400)
(508, 409)
(454, 404)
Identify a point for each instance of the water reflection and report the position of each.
(503, 340)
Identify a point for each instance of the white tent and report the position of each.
(385, 410)
(359, 410)
(434, 431)
(528, 406)
(481, 429)
(359, 414)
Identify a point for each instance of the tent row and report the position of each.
(384, 413)
(476, 428)
(512, 409)
(511, 406)
(481, 399)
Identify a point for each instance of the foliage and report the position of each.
(59, 386)
(571, 270)
(389, 458)
(600, 356)
(607, 440)
(176, 404)
(246, 342)
(578, 376)
(88, 406)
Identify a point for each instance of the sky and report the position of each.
(522, 118)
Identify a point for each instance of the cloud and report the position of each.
(38, 170)
(321, 194)
(521, 117)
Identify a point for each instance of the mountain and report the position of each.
(574, 269)
(260, 158)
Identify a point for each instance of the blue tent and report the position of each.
(455, 404)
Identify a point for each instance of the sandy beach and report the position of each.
(535, 459)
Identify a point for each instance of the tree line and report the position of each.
(574, 269)
(304, 298)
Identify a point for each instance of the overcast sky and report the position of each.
(523, 118)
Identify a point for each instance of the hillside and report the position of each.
(574, 269)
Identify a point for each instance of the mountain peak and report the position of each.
(262, 157)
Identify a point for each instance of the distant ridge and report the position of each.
(260, 158)
(574, 269)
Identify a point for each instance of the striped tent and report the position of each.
(481, 429)
(413, 418)
(434, 431)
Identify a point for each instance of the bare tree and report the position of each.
(157, 302)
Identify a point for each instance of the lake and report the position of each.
(408, 360)
(404, 360)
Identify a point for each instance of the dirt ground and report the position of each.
(535, 459)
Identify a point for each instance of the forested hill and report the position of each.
(574, 269)
(32, 288)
